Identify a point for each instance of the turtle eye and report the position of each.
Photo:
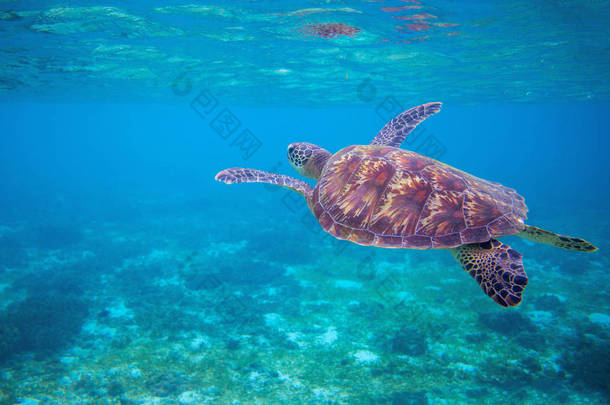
(290, 150)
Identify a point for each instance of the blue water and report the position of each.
(129, 276)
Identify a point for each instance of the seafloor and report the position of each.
(185, 302)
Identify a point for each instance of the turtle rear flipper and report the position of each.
(241, 175)
(535, 234)
(496, 267)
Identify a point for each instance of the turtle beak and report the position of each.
(290, 151)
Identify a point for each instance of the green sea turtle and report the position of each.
(380, 195)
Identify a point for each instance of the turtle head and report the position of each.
(307, 159)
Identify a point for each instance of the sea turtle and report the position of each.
(380, 195)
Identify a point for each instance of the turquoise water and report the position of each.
(129, 276)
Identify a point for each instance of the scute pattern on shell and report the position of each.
(390, 197)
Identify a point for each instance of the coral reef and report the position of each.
(42, 325)
(507, 323)
(55, 236)
(587, 360)
(408, 341)
(136, 319)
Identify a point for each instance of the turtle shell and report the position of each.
(390, 197)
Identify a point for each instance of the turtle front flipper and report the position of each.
(395, 131)
(241, 175)
(561, 241)
(496, 267)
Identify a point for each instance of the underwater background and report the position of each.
(129, 276)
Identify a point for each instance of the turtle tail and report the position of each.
(549, 238)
